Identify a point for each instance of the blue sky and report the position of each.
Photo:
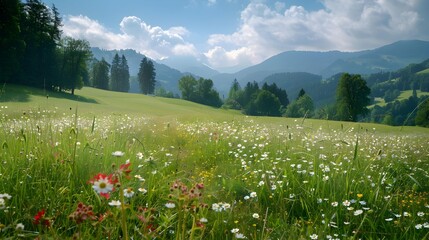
(239, 33)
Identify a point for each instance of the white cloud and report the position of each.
(152, 41)
(340, 25)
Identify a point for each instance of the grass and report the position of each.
(185, 171)
(424, 71)
(406, 94)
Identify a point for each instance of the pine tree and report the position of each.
(147, 76)
(124, 75)
(11, 43)
(115, 73)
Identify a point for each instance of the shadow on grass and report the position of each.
(17, 93)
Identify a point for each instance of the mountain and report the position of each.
(189, 64)
(386, 58)
(166, 76)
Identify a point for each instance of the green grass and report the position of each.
(406, 94)
(424, 71)
(310, 177)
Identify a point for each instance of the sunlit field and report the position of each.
(106, 165)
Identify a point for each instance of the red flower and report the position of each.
(40, 218)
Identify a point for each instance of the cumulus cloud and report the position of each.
(339, 25)
(152, 41)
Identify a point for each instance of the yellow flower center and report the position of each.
(102, 185)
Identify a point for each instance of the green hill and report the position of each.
(16, 101)
(95, 101)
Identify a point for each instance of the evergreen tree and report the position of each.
(115, 73)
(147, 76)
(250, 92)
(40, 30)
(278, 92)
(100, 74)
(234, 94)
(352, 97)
(301, 93)
(11, 43)
(124, 75)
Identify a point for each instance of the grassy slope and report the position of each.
(94, 102)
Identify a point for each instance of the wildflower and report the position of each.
(253, 194)
(82, 213)
(140, 178)
(419, 226)
(128, 192)
(246, 197)
(103, 184)
(426, 225)
(170, 205)
(2, 203)
(235, 230)
(142, 190)
(334, 204)
(420, 214)
(255, 215)
(314, 236)
(359, 195)
(19, 227)
(388, 219)
(346, 203)
(203, 220)
(118, 154)
(139, 155)
(5, 195)
(358, 212)
(115, 203)
(40, 218)
(240, 236)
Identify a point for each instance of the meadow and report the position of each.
(106, 165)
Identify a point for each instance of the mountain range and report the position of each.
(325, 64)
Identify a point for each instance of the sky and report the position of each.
(239, 33)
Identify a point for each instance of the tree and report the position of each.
(352, 97)
(124, 75)
(147, 76)
(278, 92)
(11, 43)
(115, 73)
(422, 117)
(187, 86)
(234, 94)
(302, 107)
(75, 54)
(199, 91)
(267, 104)
(301, 93)
(100, 74)
(249, 94)
(39, 27)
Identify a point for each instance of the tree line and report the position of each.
(33, 51)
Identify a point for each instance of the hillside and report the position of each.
(94, 101)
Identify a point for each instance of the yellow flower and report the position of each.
(359, 195)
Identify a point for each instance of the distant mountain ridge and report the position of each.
(390, 57)
(386, 58)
